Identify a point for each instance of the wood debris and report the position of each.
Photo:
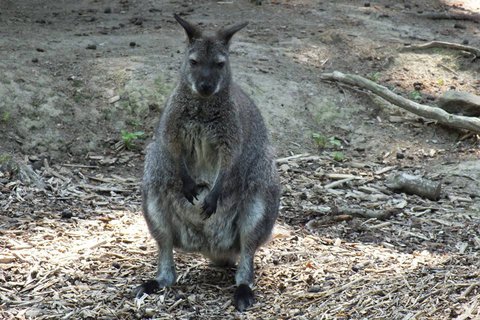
(78, 248)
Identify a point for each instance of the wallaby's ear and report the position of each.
(192, 31)
(226, 34)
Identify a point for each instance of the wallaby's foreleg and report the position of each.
(228, 155)
(209, 205)
(190, 188)
(160, 231)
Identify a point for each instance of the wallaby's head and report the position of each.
(206, 69)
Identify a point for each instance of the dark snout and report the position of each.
(205, 89)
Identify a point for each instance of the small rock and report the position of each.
(113, 99)
(40, 50)
(132, 44)
(418, 85)
(107, 10)
(92, 47)
(284, 167)
(400, 155)
(150, 312)
(314, 289)
(66, 215)
(459, 26)
(458, 102)
(116, 265)
(465, 42)
(366, 4)
(138, 21)
(35, 60)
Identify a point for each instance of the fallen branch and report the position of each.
(445, 45)
(438, 114)
(411, 184)
(364, 213)
(451, 16)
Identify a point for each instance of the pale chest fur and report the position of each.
(201, 153)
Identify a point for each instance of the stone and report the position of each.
(458, 102)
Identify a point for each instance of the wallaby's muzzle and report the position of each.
(205, 89)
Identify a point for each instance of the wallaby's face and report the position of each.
(206, 68)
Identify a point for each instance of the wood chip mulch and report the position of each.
(76, 250)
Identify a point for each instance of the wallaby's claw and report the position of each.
(209, 206)
(148, 287)
(190, 190)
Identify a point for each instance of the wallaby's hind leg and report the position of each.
(160, 231)
(254, 231)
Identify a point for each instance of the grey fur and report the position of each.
(210, 184)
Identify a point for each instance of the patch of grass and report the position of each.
(79, 97)
(5, 158)
(374, 76)
(6, 115)
(338, 156)
(440, 82)
(129, 138)
(415, 95)
(323, 142)
(320, 140)
(77, 83)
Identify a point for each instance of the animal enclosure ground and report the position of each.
(80, 77)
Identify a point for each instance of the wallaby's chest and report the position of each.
(201, 152)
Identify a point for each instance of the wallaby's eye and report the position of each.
(220, 64)
(193, 62)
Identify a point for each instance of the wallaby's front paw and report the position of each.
(190, 190)
(209, 205)
(243, 297)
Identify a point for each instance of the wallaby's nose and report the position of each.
(205, 89)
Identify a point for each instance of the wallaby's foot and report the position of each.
(148, 287)
(243, 297)
(210, 204)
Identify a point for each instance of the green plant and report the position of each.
(5, 116)
(320, 140)
(440, 82)
(338, 156)
(324, 142)
(374, 76)
(416, 95)
(129, 138)
(334, 142)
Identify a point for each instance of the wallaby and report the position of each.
(210, 184)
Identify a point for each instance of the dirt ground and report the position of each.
(79, 78)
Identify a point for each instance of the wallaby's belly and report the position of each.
(215, 236)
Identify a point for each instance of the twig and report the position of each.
(446, 45)
(296, 156)
(337, 183)
(79, 166)
(451, 16)
(364, 213)
(456, 121)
